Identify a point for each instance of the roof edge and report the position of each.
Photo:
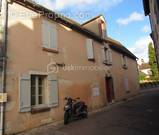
(94, 18)
(78, 28)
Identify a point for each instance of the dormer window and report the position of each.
(102, 30)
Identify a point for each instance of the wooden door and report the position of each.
(109, 89)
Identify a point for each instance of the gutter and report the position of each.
(4, 14)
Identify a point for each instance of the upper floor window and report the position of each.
(49, 35)
(124, 61)
(90, 49)
(126, 85)
(102, 30)
(107, 56)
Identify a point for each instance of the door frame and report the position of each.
(109, 88)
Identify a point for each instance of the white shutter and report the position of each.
(53, 91)
(103, 55)
(25, 93)
(45, 34)
(90, 50)
(53, 37)
(122, 60)
(126, 62)
(110, 56)
(126, 84)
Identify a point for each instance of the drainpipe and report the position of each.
(4, 14)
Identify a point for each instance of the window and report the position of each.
(126, 85)
(107, 56)
(124, 61)
(90, 49)
(49, 35)
(102, 30)
(37, 90)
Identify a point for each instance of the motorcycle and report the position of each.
(74, 109)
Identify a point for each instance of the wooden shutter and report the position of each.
(25, 93)
(53, 37)
(126, 61)
(53, 91)
(103, 55)
(122, 60)
(45, 34)
(90, 50)
(126, 84)
(110, 56)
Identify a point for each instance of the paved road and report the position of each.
(137, 117)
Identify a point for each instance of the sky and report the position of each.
(125, 19)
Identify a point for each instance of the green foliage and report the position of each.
(142, 76)
(152, 62)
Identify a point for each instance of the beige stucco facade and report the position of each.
(26, 55)
(120, 74)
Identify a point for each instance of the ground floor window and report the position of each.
(37, 90)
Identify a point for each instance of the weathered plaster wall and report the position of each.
(25, 54)
(119, 74)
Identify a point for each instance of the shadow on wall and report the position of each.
(24, 40)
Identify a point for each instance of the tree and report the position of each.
(142, 76)
(152, 62)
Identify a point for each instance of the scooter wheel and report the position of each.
(66, 118)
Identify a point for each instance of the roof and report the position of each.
(122, 49)
(74, 25)
(146, 7)
(92, 19)
(144, 66)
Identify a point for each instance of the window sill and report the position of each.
(92, 60)
(40, 110)
(125, 67)
(50, 50)
(108, 64)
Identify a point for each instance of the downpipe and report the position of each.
(4, 14)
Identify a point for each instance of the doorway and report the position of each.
(109, 89)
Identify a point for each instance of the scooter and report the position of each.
(74, 109)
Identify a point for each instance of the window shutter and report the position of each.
(53, 37)
(122, 60)
(126, 62)
(126, 84)
(103, 55)
(90, 50)
(110, 56)
(45, 34)
(25, 93)
(53, 91)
